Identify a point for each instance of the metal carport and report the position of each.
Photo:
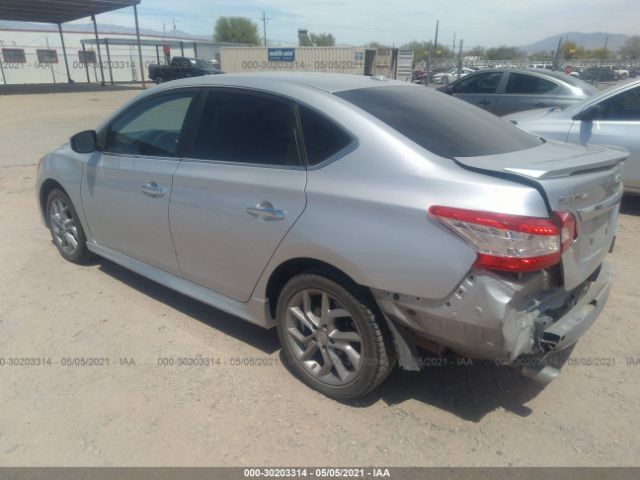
(62, 11)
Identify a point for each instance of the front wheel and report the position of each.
(332, 336)
(66, 230)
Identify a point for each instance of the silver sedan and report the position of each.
(612, 117)
(507, 90)
(361, 217)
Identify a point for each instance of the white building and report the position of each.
(35, 55)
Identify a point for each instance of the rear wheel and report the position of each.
(66, 230)
(332, 337)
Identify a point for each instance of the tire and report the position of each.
(354, 366)
(65, 227)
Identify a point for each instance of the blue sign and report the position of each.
(282, 54)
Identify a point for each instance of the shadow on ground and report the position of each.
(257, 337)
(38, 88)
(468, 389)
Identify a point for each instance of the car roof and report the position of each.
(328, 82)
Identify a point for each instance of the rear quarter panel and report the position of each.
(367, 214)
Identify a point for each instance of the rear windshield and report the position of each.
(576, 82)
(440, 123)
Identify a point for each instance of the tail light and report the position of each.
(511, 243)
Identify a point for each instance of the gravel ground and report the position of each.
(134, 411)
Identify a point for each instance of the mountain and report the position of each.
(587, 40)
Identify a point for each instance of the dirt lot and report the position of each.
(146, 414)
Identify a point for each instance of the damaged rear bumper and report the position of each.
(502, 317)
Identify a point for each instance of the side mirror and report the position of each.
(594, 112)
(85, 142)
(448, 89)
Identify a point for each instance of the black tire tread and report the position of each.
(382, 338)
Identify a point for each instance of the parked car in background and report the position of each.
(612, 117)
(503, 91)
(181, 67)
(451, 75)
(621, 72)
(599, 74)
(359, 216)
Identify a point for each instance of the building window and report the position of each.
(47, 56)
(13, 55)
(90, 55)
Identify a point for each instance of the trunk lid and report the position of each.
(583, 180)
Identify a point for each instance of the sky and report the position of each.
(356, 22)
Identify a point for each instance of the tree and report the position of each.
(631, 48)
(322, 39)
(542, 55)
(236, 30)
(570, 50)
(477, 51)
(504, 52)
(420, 49)
(599, 53)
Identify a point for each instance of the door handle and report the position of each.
(265, 211)
(484, 103)
(152, 189)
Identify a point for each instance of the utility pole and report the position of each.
(435, 43)
(264, 27)
(174, 27)
(453, 48)
(460, 58)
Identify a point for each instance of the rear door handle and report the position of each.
(152, 189)
(265, 211)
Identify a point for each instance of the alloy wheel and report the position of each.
(323, 336)
(63, 226)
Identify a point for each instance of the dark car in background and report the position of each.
(181, 67)
(506, 90)
(599, 74)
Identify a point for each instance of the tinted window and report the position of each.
(443, 125)
(624, 106)
(528, 84)
(151, 128)
(322, 137)
(246, 128)
(481, 83)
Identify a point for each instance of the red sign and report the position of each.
(568, 69)
(166, 49)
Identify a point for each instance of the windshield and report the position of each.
(440, 123)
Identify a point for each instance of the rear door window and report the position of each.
(523, 84)
(482, 83)
(243, 127)
(439, 123)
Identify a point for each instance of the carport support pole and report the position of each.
(4, 79)
(181, 48)
(95, 31)
(86, 63)
(135, 14)
(158, 54)
(64, 53)
(106, 44)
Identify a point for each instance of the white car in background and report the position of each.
(451, 75)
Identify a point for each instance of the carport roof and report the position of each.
(57, 11)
